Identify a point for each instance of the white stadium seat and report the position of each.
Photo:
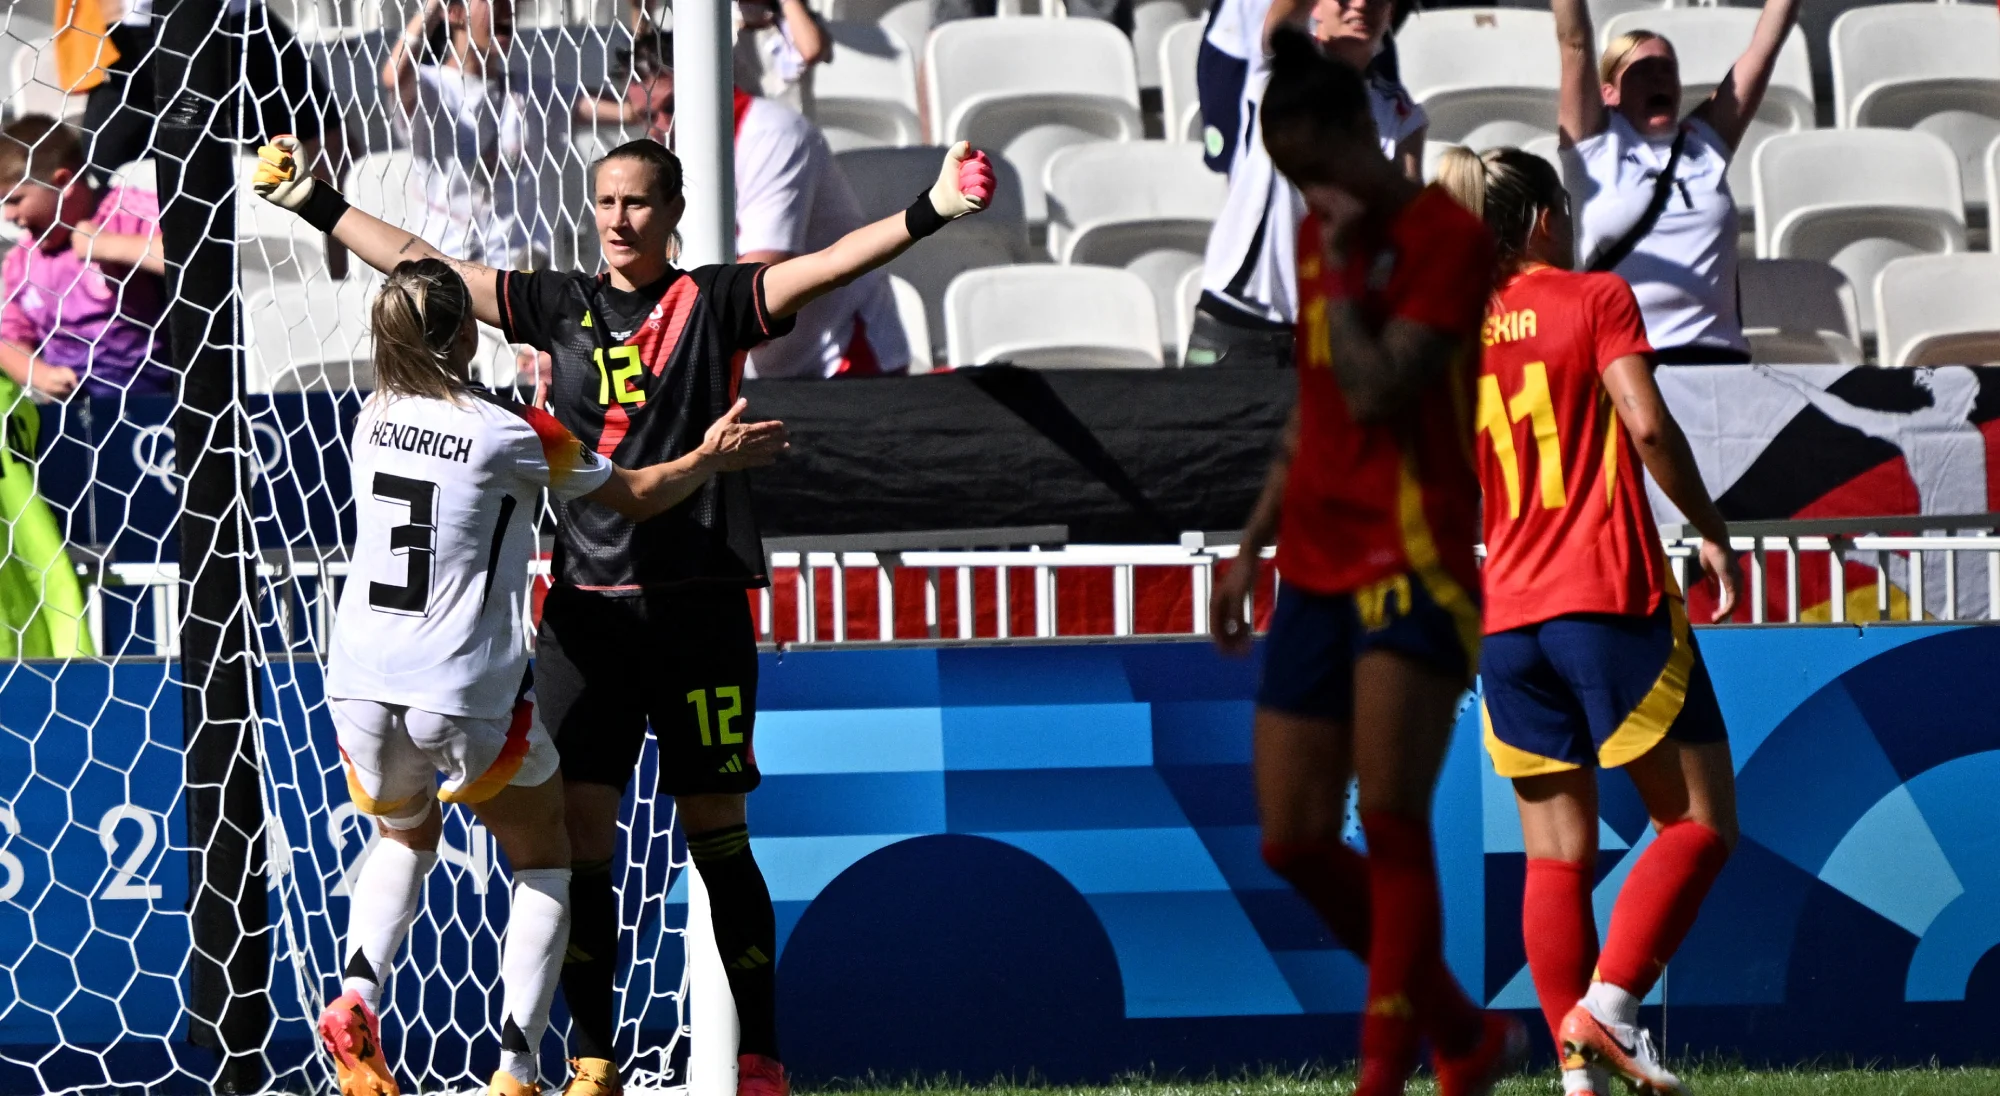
(916, 325)
(1602, 12)
(1186, 296)
(379, 183)
(1939, 310)
(1857, 198)
(316, 337)
(1708, 42)
(911, 20)
(1933, 67)
(1052, 317)
(866, 97)
(1180, 100)
(32, 84)
(1027, 87)
(1147, 206)
(1486, 76)
(1151, 20)
(1798, 312)
(272, 244)
(886, 179)
(1992, 194)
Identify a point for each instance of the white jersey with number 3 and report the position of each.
(434, 614)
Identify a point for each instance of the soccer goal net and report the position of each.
(183, 363)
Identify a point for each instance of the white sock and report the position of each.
(1612, 1003)
(530, 962)
(380, 909)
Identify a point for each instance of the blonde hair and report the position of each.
(1505, 187)
(1619, 52)
(417, 318)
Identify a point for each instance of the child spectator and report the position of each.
(82, 298)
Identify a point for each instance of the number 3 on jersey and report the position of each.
(416, 540)
(1497, 417)
(616, 380)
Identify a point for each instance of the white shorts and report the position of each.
(393, 754)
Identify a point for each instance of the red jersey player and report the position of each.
(1589, 662)
(1375, 509)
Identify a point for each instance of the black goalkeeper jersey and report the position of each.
(640, 377)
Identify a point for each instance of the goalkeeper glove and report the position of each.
(965, 185)
(281, 180)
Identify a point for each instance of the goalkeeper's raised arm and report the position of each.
(636, 226)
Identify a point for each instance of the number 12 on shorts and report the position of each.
(707, 717)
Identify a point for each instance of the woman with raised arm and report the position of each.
(1653, 186)
(644, 358)
(1589, 662)
(425, 670)
(1375, 507)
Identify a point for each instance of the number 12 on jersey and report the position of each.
(718, 720)
(616, 380)
(1496, 419)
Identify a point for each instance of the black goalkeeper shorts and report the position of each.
(683, 661)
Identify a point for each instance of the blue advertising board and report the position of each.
(1000, 859)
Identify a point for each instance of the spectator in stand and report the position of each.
(485, 134)
(791, 199)
(777, 44)
(1652, 187)
(1249, 284)
(82, 299)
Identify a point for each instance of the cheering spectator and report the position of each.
(486, 134)
(82, 297)
(791, 199)
(1248, 299)
(777, 44)
(1653, 186)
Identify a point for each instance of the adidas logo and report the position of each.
(752, 959)
(733, 765)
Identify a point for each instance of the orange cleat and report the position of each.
(1624, 1049)
(593, 1077)
(1501, 1050)
(353, 1038)
(506, 1084)
(758, 1075)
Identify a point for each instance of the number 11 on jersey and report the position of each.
(1497, 417)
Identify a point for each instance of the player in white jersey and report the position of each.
(429, 653)
(1248, 299)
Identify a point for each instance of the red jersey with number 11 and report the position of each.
(1364, 502)
(1568, 525)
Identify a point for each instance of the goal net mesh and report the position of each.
(475, 134)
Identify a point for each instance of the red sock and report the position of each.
(1409, 987)
(1658, 904)
(1560, 930)
(1334, 879)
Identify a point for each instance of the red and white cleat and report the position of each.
(1501, 1050)
(353, 1037)
(1624, 1049)
(758, 1075)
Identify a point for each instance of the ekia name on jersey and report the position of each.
(1508, 327)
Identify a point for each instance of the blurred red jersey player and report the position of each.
(1375, 635)
(1589, 661)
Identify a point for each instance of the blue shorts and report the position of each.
(1594, 689)
(1314, 640)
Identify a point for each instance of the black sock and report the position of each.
(746, 932)
(592, 960)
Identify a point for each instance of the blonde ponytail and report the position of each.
(1462, 174)
(416, 321)
(1505, 187)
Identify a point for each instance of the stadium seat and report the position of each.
(866, 97)
(916, 325)
(1052, 317)
(1486, 76)
(272, 244)
(380, 184)
(1602, 12)
(1186, 296)
(1857, 198)
(1151, 20)
(886, 179)
(1992, 195)
(1147, 206)
(1027, 87)
(1933, 67)
(858, 11)
(912, 20)
(1180, 100)
(310, 336)
(1708, 42)
(1938, 310)
(32, 84)
(1798, 311)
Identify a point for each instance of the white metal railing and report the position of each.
(1951, 572)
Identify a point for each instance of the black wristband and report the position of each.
(324, 207)
(922, 218)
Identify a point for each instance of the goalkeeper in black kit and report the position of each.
(648, 623)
